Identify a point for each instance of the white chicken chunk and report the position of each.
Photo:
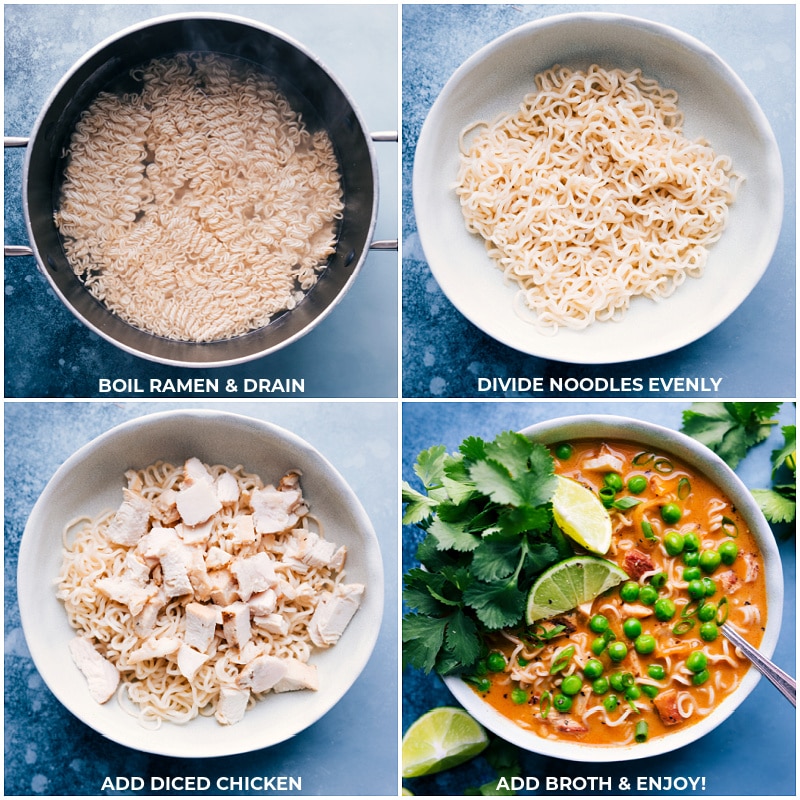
(126, 591)
(190, 660)
(227, 488)
(197, 503)
(254, 574)
(102, 677)
(216, 557)
(273, 623)
(263, 603)
(201, 625)
(231, 705)
(242, 529)
(262, 673)
(154, 647)
(144, 623)
(194, 470)
(236, 624)
(298, 676)
(131, 521)
(605, 462)
(333, 614)
(223, 587)
(198, 534)
(273, 510)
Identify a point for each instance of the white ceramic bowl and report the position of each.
(91, 481)
(699, 457)
(716, 105)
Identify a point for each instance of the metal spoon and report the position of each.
(783, 683)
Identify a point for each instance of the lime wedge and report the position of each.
(440, 739)
(569, 583)
(581, 515)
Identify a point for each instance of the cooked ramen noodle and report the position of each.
(646, 657)
(200, 206)
(590, 195)
(202, 593)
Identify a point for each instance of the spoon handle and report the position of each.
(783, 683)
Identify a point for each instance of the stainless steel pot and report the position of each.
(311, 89)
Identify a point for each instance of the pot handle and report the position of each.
(15, 141)
(16, 249)
(384, 136)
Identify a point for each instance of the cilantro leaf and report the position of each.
(496, 560)
(498, 604)
(418, 506)
(461, 639)
(422, 640)
(430, 465)
(777, 506)
(452, 536)
(786, 453)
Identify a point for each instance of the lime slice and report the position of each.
(440, 739)
(581, 515)
(569, 583)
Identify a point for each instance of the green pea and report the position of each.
(496, 662)
(561, 702)
(563, 451)
(633, 693)
(593, 668)
(656, 672)
(617, 651)
(691, 542)
(645, 644)
(519, 696)
(571, 685)
(690, 557)
(649, 690)
(600, 685)
(598, 645)
(710, 587)
(481, 684)
(709, 631)
(481, 668)
(614, 481)
(707, 612)
(709, 560)
(598, 623)
(664, 609)
(673, 543)
(701, 677)
(692, 573)
(632, 627)
(617, 681)
(671, 513)
(728, 552)
(648, 595)
(523, 662)
(637, 484)
(696, 589)
(697, 661)
(659, 579)
(629, 591)
(610, 703)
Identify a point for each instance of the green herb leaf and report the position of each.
(498, 605)
(776, 505)
(422, 640)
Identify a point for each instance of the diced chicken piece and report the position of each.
(273, 623)
(174, 570)
(135, 483)
(131, 521)
(227, 488)
(101, 675)
(262, 673)
(231, 705)
(666, 704)
(637, 610)
(273, 510)
(605, 462)
(197, 534)
(263, 603)
(216, 557)
(637, 563)
(198, 574)
(254, 574)
(165, 508)
(126, 591)
(585, 609)
(751, 560)
(151, 546)
(333, 614)
(136, 569)
(245, 654)
(144, 623)
(242, 529)
(568, 725)
(236, 623)
(285, 589)
(223, 587)
(154, 648)
(728, 581)
(194, 471)
(197, 503)
(201, 624)
(190, 660)
(291, 480)
(298, 676)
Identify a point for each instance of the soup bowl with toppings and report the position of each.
(640, 668)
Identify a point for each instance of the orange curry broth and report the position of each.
(701, 506)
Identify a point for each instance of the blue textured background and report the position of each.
(754, 349)
(751, 753)
(351, 751)
(352, 353)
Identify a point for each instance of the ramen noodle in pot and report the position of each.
(646, 657)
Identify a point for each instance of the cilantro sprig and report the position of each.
(779, 503)
(487, 515)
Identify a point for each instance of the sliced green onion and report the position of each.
(641, 459)
(641, 731)
(684, 488)
(544, 704)
(663, 465)
(658, 580)
(625, 503)
(684, 626)
(692, 607)
(722, 611)
(563, 659)
(647, 530)
(729, 527)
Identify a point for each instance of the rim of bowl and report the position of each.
(30, 613)
(697, 456)
(428, 229)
